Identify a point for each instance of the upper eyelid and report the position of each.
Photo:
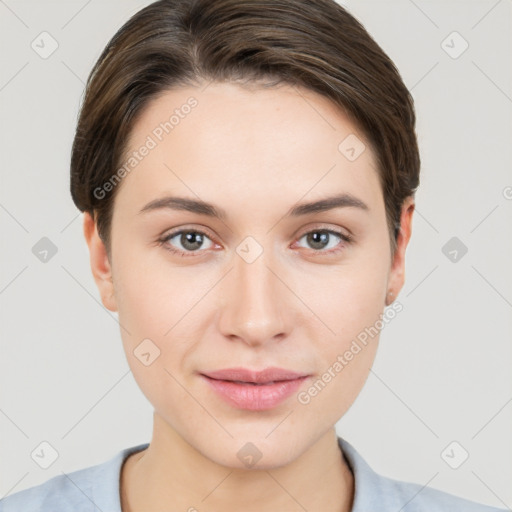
(344, 234)
(338, 232)
(171, 233)
(168, 235)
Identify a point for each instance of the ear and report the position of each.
(397, 272)
(100, 264)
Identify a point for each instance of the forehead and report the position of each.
(225, 139)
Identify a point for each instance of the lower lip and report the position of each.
(255, 397)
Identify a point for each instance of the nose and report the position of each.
(256, 306)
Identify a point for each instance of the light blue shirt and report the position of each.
(96, 489)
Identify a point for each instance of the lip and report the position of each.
(265, 376)
(254, 390)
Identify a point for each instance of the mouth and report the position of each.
(244, 375)
(254, 390)
(254, 383)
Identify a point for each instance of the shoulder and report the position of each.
(376, 492)
(417, 498)
(85, 490)
(58, 493)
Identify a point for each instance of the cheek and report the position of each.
(353, 309)
(150, 303)
(152, 295)
(350, 304)
(158, 307)
(344, 300)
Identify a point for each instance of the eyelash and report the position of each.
(347, 239)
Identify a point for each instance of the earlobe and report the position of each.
(100, 265)
(397, 272)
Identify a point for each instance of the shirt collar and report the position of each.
(367, 483)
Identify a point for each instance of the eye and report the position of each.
(186, 241)
(190, 242)
(325, 240)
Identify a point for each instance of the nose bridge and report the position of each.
(254, 305)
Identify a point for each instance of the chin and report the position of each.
(257, 455)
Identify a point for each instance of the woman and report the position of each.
(247, 174)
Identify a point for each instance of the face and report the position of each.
(267, 282)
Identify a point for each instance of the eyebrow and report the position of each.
(204, 208)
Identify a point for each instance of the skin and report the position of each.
(255, 153)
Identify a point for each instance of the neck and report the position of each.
(171, 475)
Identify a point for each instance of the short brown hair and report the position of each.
(316, 44)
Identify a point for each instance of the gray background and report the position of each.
(442, 371)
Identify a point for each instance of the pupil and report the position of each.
(194, 240)
(318, 239)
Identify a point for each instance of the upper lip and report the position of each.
(271, 374)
